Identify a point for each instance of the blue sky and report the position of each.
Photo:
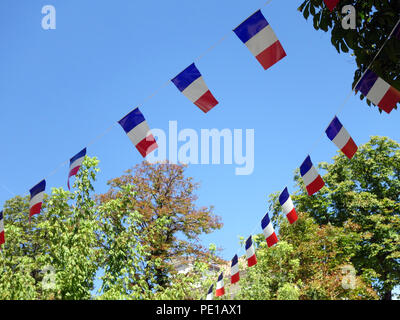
(60, 89)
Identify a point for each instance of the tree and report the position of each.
(362, 195)
(375, 20)
(153, 206)
(308, 262)
(59, 254)
(53, 256)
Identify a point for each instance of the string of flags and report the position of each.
(258, 36)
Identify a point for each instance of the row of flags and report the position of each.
(313, 183)
(270, 238)
(255, 32)
(258, 36)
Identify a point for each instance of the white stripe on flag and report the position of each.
(139, 132)
(341, 138)
(250, 252)
(36, 199)
(235, 269)
(76, 163)
(1, 225)
(196, 89)
(220, 284)
(209, 296)
(268, 230)
(310, 176)
(262, 40)
(377, 91)
(287, 206)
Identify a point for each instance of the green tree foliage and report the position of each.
(308, 262)
(153, 207)
(375, 21)
(362, 195)
(59, 254)
(53, 256)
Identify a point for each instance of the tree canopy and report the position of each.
(375, 21)
(363, 195)
(310, 262)
(123, 243)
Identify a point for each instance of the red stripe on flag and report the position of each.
(220, 292)
(292, 216)
(35, 209)
(147, 145)
(350, 148)
(206, 102)
(331, 4)
(315, 186)
(2, 239)
(74, 171)
(271, 240)
(235, 278)
(271, 55)
(389, 100)
(252, 261)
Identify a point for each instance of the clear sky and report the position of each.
(60, 89)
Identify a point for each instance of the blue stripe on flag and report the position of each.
(284, 196)
(131, 120)
(251, 26)
(211, 289)
(367, 82)
(249, 243)
(265, 221)
(221, 276)
(186, 77)
(235, 260)
(1, 215)
(41, 186)
(397, 32)
(80, 154)
(333, 128)
(306, 166)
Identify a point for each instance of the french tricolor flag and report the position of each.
(378, 91)
(331, 4)
(250, 252)
(75, 163)
(268, 230)
(311, 178)
(220, 289)
(138, 131)
(287, 206)
(341, 138)
(235, 274)
(37, 194)
(191, 83)
(2, 238)
(256, 33)
(210, 293)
